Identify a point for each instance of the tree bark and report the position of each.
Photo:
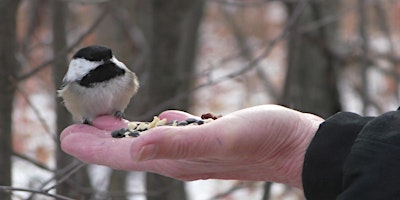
(70, 187)
(8, 71)
(311, 83)
(118, 183)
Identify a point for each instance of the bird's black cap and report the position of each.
(94, 53)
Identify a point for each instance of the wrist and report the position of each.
(305, 132)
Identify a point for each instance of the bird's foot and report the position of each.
(87, 121)
(119, 115)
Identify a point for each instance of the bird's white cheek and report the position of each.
(79, 67)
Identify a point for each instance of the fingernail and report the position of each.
(147, 152)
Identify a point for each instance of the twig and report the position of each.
(247, 54)
(10, 189)
(114, 194)
(37, 113)
(40, 67)
(66, 176)
(326, 20)
(58, 173)
(135, 36)
(118, 194)
(34, 162)
(133, 33)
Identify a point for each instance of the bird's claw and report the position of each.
(119, 115)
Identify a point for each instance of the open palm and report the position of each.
(265, 143)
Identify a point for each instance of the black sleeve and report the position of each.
(322, 170)
(354, 157)
(372, 169)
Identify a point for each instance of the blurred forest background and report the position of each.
(318, 56)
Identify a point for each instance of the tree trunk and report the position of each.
(171, 30)
(117, 183)
(8, 71)
(71, 186)
(311, 83)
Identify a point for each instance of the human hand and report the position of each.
(265, 143)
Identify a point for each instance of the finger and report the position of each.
(92, 147)
(108, 122)
(178, 143)
(171, 115)
(82, 128)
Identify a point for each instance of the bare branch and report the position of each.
(60, 172)
(118, 194)
(67, 175)
(10, 189)
(326, 20)
(37, 113)
(32, 161)
(133, 33)
(246, 52)
(67, 50)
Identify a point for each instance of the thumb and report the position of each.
(176, 143)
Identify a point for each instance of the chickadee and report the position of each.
(96, 83)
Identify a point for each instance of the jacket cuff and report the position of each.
(324, 159)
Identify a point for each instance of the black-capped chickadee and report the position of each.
(96, 83)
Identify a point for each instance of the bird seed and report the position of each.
(135, 128)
